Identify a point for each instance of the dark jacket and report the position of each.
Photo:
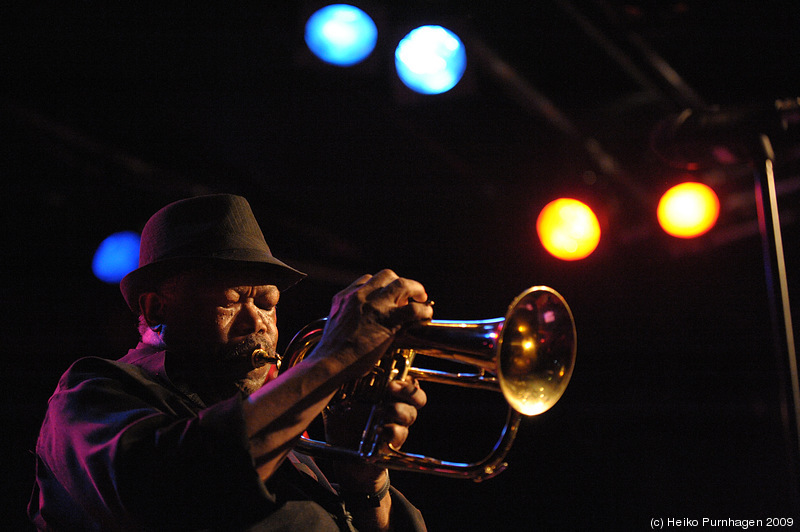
(122, 448)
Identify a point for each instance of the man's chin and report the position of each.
(255, 379)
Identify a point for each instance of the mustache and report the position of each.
(240, 352)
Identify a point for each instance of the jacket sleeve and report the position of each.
(120, 448)
(405, 516)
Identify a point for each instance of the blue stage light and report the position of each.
(341, 34)
(430, 60)
(116, 256)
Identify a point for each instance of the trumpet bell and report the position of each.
(536, 350)
(528, 355)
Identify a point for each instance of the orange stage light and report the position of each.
(688, 210)
(568, 229)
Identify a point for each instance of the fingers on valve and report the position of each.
(394, 434)
(399, 414)
(408, 391)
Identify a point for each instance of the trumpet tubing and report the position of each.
(528, 356)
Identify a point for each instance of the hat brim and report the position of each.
(147, 278)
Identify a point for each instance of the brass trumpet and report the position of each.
(528, 356)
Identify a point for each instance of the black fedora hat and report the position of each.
(214, 229)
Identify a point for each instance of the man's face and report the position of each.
(213, 322)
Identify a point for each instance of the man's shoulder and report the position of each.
(138, 363)
(95, 368)
(101, 381)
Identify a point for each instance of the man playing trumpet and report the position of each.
(186, 432)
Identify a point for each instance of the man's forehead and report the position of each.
(226, 278)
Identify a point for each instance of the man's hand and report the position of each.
(365, 317)
(343, 428)
(363, 321)
(362, 324)
(393, 417)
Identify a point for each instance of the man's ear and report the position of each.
(152, 306)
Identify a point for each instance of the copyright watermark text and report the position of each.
(662, 523)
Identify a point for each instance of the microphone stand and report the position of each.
(778, 294)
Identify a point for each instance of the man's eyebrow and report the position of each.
(260, 290)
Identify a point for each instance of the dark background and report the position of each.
(677, 406)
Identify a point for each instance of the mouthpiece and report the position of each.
(260, 358)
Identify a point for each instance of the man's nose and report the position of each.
(253, 319)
